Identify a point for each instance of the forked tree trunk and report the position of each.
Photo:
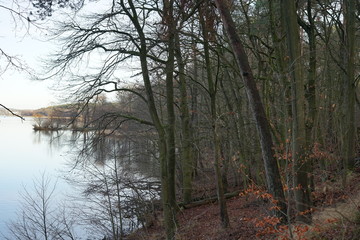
(273, 179)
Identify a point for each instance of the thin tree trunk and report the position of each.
(310, 94)
(216, 141)
(170, 195)
(194, 118)
(186, 156)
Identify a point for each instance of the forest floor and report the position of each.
(336, 216)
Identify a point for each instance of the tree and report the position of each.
(187, 152)
(310, 91)
(41, 217)
(115, 197)
(174, 44)
(272, 172)
(137, 42)
(168, 164)
(349, 86)
(207, 26)
(299, 149)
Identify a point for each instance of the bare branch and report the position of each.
(10, 111)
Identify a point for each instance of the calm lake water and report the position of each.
(27, 154)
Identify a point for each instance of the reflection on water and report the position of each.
(23, 158)
(134, 154)
(118, 179)
(118, 175)
(113, 181)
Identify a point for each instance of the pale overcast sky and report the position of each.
(17, 90)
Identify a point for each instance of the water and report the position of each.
(27, 154)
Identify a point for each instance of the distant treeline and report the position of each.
(62, 111)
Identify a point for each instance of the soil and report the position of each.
(335, 217)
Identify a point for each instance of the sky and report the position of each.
(19, 90)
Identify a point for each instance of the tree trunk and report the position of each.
(310, 94)
(299, 150)
(194, 118)
(348, 150)
(349, 102)
(216, 141)
(166, 136)
(186, 153)
(271, 168)
(170, 195)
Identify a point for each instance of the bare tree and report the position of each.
(113, 200)
(139, 40)
(272, 172)
(41, 217)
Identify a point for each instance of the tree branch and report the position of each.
(10, 111)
